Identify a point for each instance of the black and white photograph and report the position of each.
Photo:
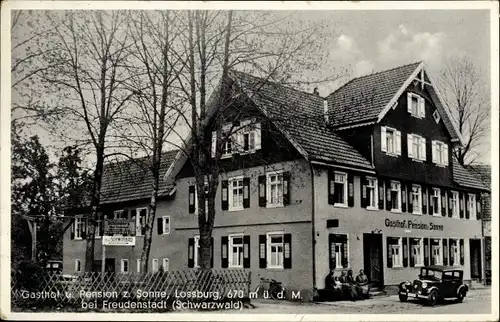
(286, 161)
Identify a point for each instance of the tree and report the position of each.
(88, 58)
(466, 98)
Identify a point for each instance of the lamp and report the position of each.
(376, 231)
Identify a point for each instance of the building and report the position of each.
(361, 179)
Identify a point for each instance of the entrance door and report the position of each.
(109, 265)
(373, 258)
(475, 258)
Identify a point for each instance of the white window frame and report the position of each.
(436, 192)
(99, 223)
(338, 256)
(231, 189)
(374, 187)
(420, 105)
(455, 204)
(398, 184)
(399, 257)
(420, 262)
(196, 199)
(164, 219)
(78, 266)
(117, 214)
(78, 228)
(395, 148)
(440, 248)
(421, 147)
(436, 116)
(124, 263)
(472, 205)
(154, 265)
(269, 203)
(138, 226)
(196, 251)
(345, 182)
(165, 264)
(230, 251)
(138, 263)
(269, 246)
(419, 212)
(456, 251)
(439, 153)
(251, 129)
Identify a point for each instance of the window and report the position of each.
(275, 250)
(416, 199)
(236, 194)
(436, 116)
(395, 196)
(78, 226)
(436, 201)
(371, 193)
(454, 204)
(439, 153)
(454, 252)
(124, 266)
(227, 149)
(417, 252)
(391, 141)
(340, 188)
(416, 147)
(275, 189)
(236, 251)
(416, 105)
(195, 196)
(78, 265)
(197, 255)
(396, 254)
(437, 254)
(471, 204)
(120, 214)
(138, 265)
(165, 265)
(165, 225)
(140, 228)
(155, 265)
(245, 138)
(99, 225)
(338, 255)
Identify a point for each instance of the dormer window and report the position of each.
(416, 105)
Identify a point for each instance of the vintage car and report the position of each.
(435, 283)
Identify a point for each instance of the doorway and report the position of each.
(475, 258)
(373, 258)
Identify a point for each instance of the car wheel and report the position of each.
(403, 297)
(461, 296)
(433, 298)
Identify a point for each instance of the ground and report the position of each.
(476, 302)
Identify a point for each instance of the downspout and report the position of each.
(313, 209)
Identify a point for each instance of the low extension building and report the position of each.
(361, 179)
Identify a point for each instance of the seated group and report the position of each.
(346, 287)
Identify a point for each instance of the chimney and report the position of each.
(316, 91)
(325, 110)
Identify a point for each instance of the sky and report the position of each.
(366, 41)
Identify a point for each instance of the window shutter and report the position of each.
(145, 218)
(434, 152)
(331, 251)
(331, 188)
(350, 190)
(381, 196)
(389, 252)
(398, 142)
(445, 147)
(443, 202)
(450, 249)
(212, 252)
(246, 192)
(191, 252)
(404, 196)
(461, 203)
(421, 107)
(410, 247)
(159, 222)
(410, 145)
(287, 251)
(345, 255)
(450, 203)
(388, 204)
(426, 251)
(405, 252)
(73, 229)
(214, 143)
(224, 244)
(84, 228)
(246, 251)
(262, 251)
(410, 201)
(258, 136)
(224, 195)
(408, 102)
(383, 139)
(192, 195)
(445, 252)
(424, 200)
(423, 150)
(431, 205)
(364, 201)
(478, 206)
(466, 205)
(286, 188)
(462, 252)
(262, 191)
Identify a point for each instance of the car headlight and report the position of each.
(424, 285)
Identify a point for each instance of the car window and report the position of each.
(448, 275)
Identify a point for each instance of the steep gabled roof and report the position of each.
(132, 180)
(466, 178)
(299, 115)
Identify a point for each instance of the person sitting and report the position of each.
(348, 290)
(330, 280)
(342, 277)
(333, 286)
(362, 282)
(357, 291)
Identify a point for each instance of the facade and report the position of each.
(361, 179)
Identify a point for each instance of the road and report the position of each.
(476, 302)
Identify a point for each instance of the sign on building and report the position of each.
(119, 227)
(118, 240)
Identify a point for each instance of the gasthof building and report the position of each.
(364, 178)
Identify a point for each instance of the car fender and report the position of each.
(461, 288)
(430, 289)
